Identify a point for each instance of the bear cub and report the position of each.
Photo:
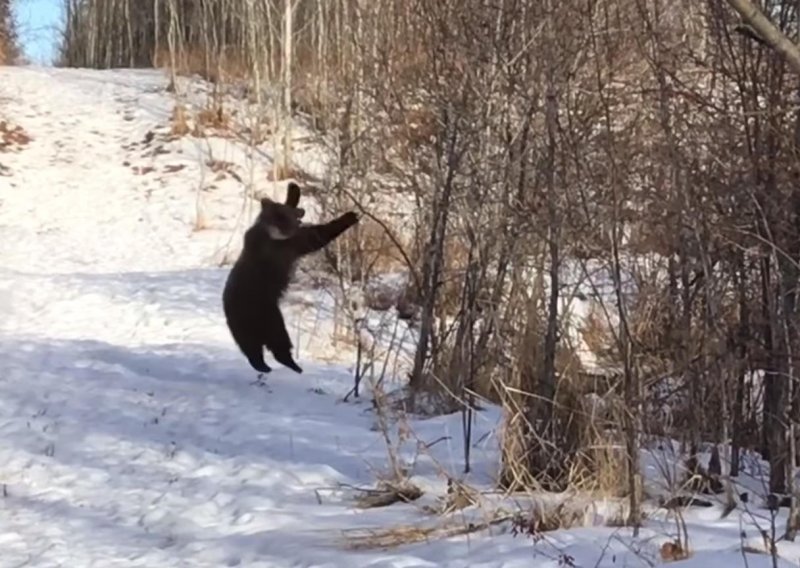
(261, 274)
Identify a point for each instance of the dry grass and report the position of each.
(314, 98)
(456, 256)
(544, 517)
(601, 470)
(280, 172)
(673, 551)
(179, 122)
(214, 117)
(12, 137)
(584, 458)
(416, 128)
(379, 252)
(216, 68)
(388, 493)
(597, 333)
(371, 539)
(459, 496)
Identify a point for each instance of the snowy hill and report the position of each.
(131, 430)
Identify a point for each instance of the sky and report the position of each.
(38, 24)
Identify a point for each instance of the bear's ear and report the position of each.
(266, 202)
(299, 212)
(292, 194)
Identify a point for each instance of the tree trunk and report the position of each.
(287, 87)
(742, 341)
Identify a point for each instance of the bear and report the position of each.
(262, 272)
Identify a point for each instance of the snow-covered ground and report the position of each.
(131, 430)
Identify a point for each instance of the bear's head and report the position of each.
(281, 220)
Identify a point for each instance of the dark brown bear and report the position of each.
(262, 272)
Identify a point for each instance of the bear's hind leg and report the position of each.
(285, 358)
(254, 351)
(277, 340)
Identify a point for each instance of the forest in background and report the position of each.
(640, 154)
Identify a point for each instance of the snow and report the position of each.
(131, 430)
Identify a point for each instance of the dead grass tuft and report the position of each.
(544, 518)
(12, 137)
(215, 117)
(179, 123)
(212, 119)
(388, 493)
(597, 333)
(673, 551)
(371, 539)
(280, 172)
(459, 496)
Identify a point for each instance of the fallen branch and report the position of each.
(363, 539)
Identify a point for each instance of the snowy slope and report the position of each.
(131, 433)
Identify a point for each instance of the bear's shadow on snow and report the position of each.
(118, 392)
(81, 519)
(198, 292)
(270, 448)
(195, 290)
